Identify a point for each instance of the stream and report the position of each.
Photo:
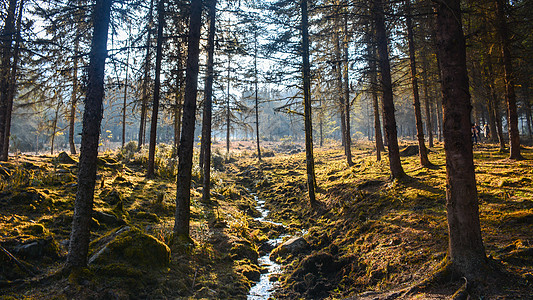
(264, 287)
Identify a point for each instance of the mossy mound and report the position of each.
(64, 158)
(130, 245)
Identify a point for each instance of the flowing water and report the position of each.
(264, 287)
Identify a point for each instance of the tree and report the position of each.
(185, 151)
(422, 150)
(205, 151)
(466, 254)
(157, 88)
(144, 96)
(5, 70)
(92, 117)
(387, 101)
(306, 73)
(510, 96)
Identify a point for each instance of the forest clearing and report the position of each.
(370, 236)
(272, 149)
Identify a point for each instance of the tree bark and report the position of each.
(6, 39)
(144, 96)
(256, 98)
(466, 253)
(12, 83)
(373, 78)
(387, 99)
(306, 73)
(157, 89)
(92, 118)
(228, 119)
(125, 99)
(205, 156)
(510, 96)
(74, 98)
(346, 95)
(422, 150)
(185, 151)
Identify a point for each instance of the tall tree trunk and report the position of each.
(54, 122)
(12, 84)
(92, 118)
(346, 95)
(157, 89)
(338, 80)
(228, 119)
(6, 40)
(510, 96)
(427, 103)
(306, 73)
(73, 98)
(466, 253)
(422, 151)
(495, 106)
(373, 78)
(144, 96)
(256, 97)
(205, 156)
(179, 103)
(125, 99)
(387, 99)
(185, 152)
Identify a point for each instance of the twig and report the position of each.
(17, 262)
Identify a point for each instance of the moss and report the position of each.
(34, 229)
(243, 249)
(134, 247)
(148, 216)
(118, 270)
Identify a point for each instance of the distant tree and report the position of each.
(306, 73)
(146, 74)
(466, 254)
(157, 88)
(509, 80)
(92, 117)
(389, 119)
(185, 151)
(205, 151)
(422, 150)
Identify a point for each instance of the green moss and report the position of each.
(34, 229)
(119, 270)
(136, 248)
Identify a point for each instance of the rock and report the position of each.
(252, 272)
(148, 216)
(243, 249)
(131, 246)
(409, 151)
(293, 246)
(112, 197)
(38, 248)
(106, 218)
(64, 158)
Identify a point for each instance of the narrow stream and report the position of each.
(264, 287)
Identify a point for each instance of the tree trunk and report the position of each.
(205, 156)
(144, 96)
(12, 84)
(466, 253)
(373, 78)
(54, 122)
(510, 96)
(185, 151)
(387, 99)
(228, 119)
(157, 89)
(495, 106)
(346, 95)
(6, 39)
(422, 151)
(306, 73)
(179, 103)
(92, 118)
(125, 100)
(427, 103)
(256, 98)
(73, 98)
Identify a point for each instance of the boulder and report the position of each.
(37, 248)
(292, 246)
(409, 151)
(131, 246)
(64, 158)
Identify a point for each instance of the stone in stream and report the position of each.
(292, 246)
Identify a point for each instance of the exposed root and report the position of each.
(462, 293)
(443, 272)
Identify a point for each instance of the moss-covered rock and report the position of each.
(243, 249)
(130, 245)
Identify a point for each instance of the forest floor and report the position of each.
(370, 238)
